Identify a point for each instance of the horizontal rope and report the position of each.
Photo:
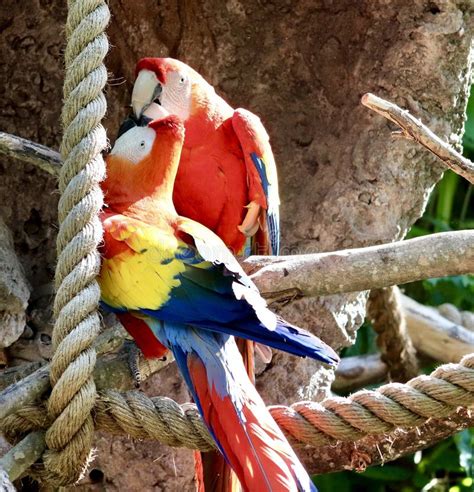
(364, 413)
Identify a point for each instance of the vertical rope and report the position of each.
(384, 310)
(69, 438)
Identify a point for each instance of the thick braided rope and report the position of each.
(69, 438)
(362, 414)
(384, 310)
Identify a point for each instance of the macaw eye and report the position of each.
(142, 144)
(182, 80)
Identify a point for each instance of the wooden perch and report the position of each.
(353, 270)
(110, 372)
(434, 335)
(431, 334)
(414, 129)
(19, 148)
(358, 372)
(23, 455)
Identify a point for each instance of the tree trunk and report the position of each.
(302, 66)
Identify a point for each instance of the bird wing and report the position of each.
(189, 277)
(262, 180)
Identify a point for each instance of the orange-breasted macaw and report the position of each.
(191, 296)
(227, 177)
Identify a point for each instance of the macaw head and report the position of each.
(144, 162)
(167, 86)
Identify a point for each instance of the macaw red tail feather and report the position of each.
(247, 350)
(212, 472)
(245, 432)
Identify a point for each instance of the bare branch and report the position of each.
(27, 151)
(25, 391)
(23, 455)
(353, 270)
(359, 371)
(414, 129)
(434, 335)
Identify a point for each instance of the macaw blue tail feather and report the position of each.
(236, 416)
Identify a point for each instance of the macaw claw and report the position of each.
(264, 352)
(250, 224)
(134, 355)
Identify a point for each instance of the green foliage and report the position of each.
(449, 465)
(365, 342)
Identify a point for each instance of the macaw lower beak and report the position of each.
(146, 90)
(131, 122)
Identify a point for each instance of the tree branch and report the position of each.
(353, 270)
(434, 335)
(23, 455)
(359, 371)
(414, 129)
(110, 372)
(27, 151)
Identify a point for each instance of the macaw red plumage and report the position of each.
(227, 176)
(226, 179)
(191, 295)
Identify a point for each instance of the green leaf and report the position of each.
(464, 442)
(365, 342)
(333, 481)
(468, 140)
(458, 290)
(391, 473)
(447, 189)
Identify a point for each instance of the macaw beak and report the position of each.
(147, 89)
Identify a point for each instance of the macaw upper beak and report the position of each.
(147, 89)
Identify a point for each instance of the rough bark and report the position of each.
(14, 291)
(302, 67)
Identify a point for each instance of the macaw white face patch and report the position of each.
(176, 95)
(135, 144)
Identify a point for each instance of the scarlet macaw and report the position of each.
(226, 180)
(227, 177)
(191, 296)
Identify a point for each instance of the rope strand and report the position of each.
(365, 413)
(71, 428)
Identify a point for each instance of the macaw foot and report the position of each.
(264, 352)
(134, 355)
(250, 224)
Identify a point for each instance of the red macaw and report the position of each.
(227, 177)
(191, 296)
